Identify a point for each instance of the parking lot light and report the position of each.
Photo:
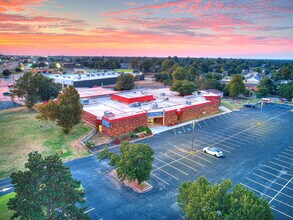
(192, 141)
(260, 115)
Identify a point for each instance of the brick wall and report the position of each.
(124, 125)
(171, 118)
(89, 118)
(193, 112)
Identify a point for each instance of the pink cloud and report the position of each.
(18, 5)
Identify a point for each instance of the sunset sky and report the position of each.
(195, 28)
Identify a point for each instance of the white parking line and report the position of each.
(266, 195)
(204, 122)
(220, 143)
(175, 131)
(180, 162)
(215, 118)
(287, 154)
(183, 129)
(214, 145)
(281, 166)
(280, 191)
(284, 157)
(271, 181)
(281, 212)
(180, 149)
(159, 178)
(89, 210)
(282, 161)
(289, 150)
(198, 124)
(168, 164)
(264, 171)
(166, 172)
(211, 120)
(272, 168)
(270, 188)
(187, 158)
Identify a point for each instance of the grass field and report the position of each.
(124, 70)
(230, 104)
(5, 212)
(21, 133)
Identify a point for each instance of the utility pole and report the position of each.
(192, 141)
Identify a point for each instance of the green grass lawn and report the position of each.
(21, 133)
(4, 211)
(124, 70)
(228, 103)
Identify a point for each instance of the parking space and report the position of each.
(273, 181)
(258, 155)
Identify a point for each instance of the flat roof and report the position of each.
(165, 100)
(94, 92)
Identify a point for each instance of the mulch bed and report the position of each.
(140, 188)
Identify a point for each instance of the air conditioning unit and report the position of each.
(188, 102)
(135, 104)
(108, 114)
(154, 105)
(165, 99)
(163, 94)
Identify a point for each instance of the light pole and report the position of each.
(260, 115)
(193, 134)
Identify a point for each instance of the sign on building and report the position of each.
(106, 123)
(155, 114)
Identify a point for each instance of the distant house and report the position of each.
(214, 91)
(71, 65)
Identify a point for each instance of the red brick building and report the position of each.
(124, 112)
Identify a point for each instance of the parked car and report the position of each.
(266, 100)
(6, 93)
(283, 100)
(249, 105)
(213, 151)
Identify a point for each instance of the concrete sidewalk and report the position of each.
(159, 129)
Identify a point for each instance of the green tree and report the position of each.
(66, 112)
(266, 86)
(167, 64)
(46, 190)
(18, 70)
(6, 72)
(180, 73)
(286, 71)
(134, 63)
(184, 87)
(200, 200)
(236, 86)
(286, 90)
(125, 82)
(35, 88)
(257, 69)
(134, 162)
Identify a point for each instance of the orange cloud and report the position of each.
(18, 5)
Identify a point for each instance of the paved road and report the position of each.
(259, 156)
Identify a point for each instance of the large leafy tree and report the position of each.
(46, 190)
(266, 86)
(236, 86)
(35, 88)
(184, 87)
(66, 112)
(134, 162)
(125, 82)
(201, 200)
(6, 72)
(180, 73)
(286, 90)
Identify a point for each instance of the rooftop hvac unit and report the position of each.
(135, 104)
(108, 114)
(92, 74)
(163, 94)
(188, 102)
(154, 105)
(85, 101)
(165, 99)
(88, 75)
(79, 76)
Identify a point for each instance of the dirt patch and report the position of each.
(100, 138)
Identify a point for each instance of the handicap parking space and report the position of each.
(273, 181)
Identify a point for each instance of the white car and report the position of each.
(213, 151)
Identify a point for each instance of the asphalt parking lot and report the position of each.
(257, 155)
(257, 151)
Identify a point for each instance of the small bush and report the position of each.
(89, 144)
